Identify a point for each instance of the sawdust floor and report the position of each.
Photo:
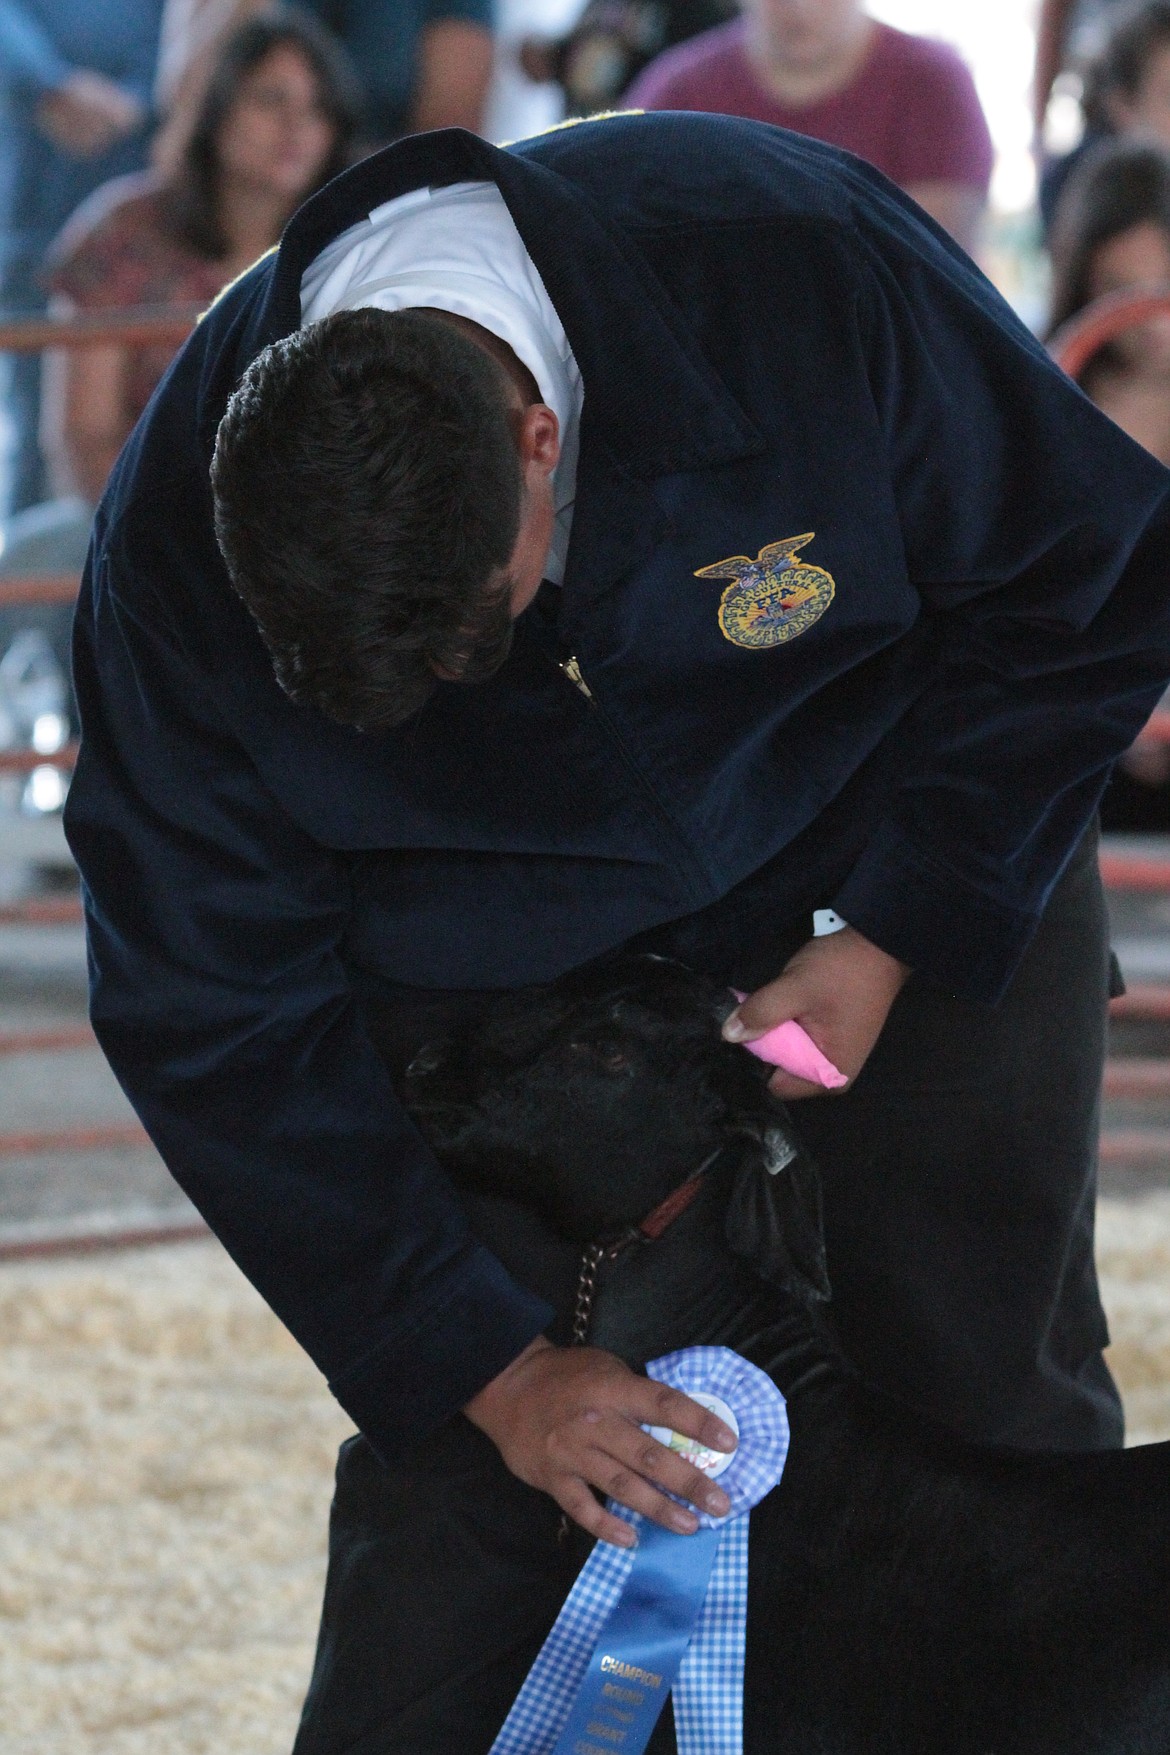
(165, 1464)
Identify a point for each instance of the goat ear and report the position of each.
(448, 1128)
(774, 1216)
(518, 1026)
(439, 1073)
(741, 1082)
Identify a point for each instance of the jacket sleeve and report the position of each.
(1038, 539)
(220, 997)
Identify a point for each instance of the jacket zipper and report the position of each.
(570, 668)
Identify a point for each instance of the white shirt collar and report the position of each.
(457, 249)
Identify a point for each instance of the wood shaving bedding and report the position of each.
(166, 1459)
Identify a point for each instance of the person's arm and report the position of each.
(221, 999)
(943, 153)
(80, 110)
(1051, 41)
(96, 421)
(85, 418)
(219, 996)
(454, 70)
(957, 207)
(29, 58)
(88, 114)
(1037, 537)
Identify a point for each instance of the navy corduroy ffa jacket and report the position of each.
(774, 345)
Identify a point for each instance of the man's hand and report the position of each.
(839, 989)
(566, 1419)
(88, 114)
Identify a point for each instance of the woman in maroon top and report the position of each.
(826, 68)
(276, 123)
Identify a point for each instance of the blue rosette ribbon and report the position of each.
(666, 1617)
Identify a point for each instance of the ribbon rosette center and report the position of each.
(712, 1463)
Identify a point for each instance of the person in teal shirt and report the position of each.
(423, 63)
(75, 83)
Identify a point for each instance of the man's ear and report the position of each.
(538, 439)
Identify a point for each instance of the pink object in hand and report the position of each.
(793, 1049)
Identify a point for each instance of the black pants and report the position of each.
(960, 1180)
(960, 1186)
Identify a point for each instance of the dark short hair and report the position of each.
(192, 197)
(1121, 64)
(1119, 185)
(367, 496)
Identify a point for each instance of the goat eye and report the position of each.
(605, 1054)
(611, 1055)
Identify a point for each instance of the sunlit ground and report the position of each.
(165, 1462)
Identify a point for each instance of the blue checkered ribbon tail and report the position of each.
(669, 1616)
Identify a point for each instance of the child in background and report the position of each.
(277, 121)
(1126, 93)
(1112, 234)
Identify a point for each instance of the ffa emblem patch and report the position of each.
(774, 598)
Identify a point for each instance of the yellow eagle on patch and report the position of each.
(774, 598)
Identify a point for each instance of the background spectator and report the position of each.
(1067, 32)
(75, 83)
(277, 120)
(1126, 92)
(191, 42)
(610, 44)
(826, 68)
(1112, 233)
(425, 63)
(422, 63)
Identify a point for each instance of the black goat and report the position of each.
(911, 1594)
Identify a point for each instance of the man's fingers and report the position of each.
(568, 1420)
(637, 1494)
(657, 1404)
(765, 1009)
(625, 1450)
(790, 1089)
(577, 1502)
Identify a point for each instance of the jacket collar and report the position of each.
(599, 282)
